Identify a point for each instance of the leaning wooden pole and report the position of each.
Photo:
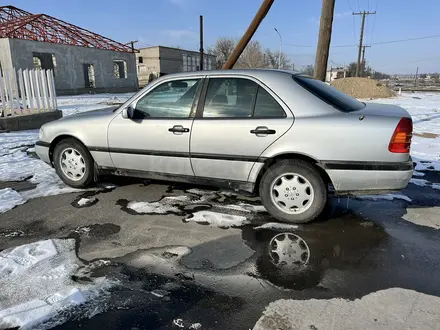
(324, 38)
(264, 9)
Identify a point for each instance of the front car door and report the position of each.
(241, 117)
(156, 139)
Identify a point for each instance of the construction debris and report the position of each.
(362, 88)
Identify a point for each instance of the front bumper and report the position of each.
(42, 150)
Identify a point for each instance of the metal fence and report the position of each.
(25, 92)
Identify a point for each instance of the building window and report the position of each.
(44, 61)
(89, 75)
(141, 59)
(37, 63)
(120, 69)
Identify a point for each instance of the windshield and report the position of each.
(329, 94)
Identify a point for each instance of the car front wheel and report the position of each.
(293, 191)
(73, 163)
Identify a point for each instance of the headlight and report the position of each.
(40, 136)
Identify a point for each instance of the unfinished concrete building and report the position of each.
(153, 62)
(82, 61)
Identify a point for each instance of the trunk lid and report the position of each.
(379, 109)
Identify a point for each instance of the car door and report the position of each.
(240, 119)
(156, 139)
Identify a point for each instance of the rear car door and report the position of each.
(238, 119)
(157, 138)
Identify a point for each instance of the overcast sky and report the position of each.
(175, 23)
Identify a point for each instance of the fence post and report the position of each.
(44, 90)
(9, 91)
(52, 96)
(15, 93)
(27, 87)
(2, 95)
(22, 92)
(35, 89)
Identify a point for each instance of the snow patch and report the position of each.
(37, 286)
(200, 192)
(420, 182)
(86, 201)
(246, 207)
(415, 173)
(154, 207)
(9, 199)
(218, 219)
(393, 308)
(388, 197)
(275, 225)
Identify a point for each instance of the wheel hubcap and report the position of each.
(292, 193)
(287, 249)
(72, 164)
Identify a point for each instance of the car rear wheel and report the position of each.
(73, 163)
(293, 191)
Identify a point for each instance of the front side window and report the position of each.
(230, 97)
(329, 94)
(173, 99)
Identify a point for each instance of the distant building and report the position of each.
(335, 73)
(82, 61)
(154, 62)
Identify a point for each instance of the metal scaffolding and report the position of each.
(20, 24)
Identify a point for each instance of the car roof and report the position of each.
(257, 73)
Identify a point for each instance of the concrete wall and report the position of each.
(5, 54)
(69, 71)
(162, 60)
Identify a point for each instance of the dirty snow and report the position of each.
(276, 225)
(246, 207)
(37, 285)
(86, 201)
(388, 197)
(393, 308)
(9, 199)
(154, 207)
(218, 219)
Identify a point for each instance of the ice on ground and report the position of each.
(9, 199)
(393, 308)
(388, 197)
(153, 207)
(218, 219)
(86, 201)
(200, 192)
(416, 173)
(244, 207)
(276, 225)
(37, 285)
(86, 102)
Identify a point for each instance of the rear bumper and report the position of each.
(42, 150)
(371, 178)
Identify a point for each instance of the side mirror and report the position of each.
(128, 113)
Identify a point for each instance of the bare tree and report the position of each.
(308, 70)
(252, 57)
(222, 50)
(272, 59)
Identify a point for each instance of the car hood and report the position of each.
(106, 112)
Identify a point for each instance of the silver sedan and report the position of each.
(279, 134)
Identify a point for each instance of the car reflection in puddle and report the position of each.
(299, 259)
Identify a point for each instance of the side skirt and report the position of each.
(243, 186)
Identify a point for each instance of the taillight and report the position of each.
(401, 140)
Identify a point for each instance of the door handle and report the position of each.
(263, 130)
(178, 129)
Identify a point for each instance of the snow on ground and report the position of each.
(9, 199)
(86, 201)
(16, 164)
(393, 308)
(276, 225)
(246, 207)
(37, 285)
(154, 207)
(218, 219)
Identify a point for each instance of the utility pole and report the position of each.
(132, 45)
(259, 16)
(201, 42)
(415, 80)
(324, 38)
(363, 13)
(363, 60)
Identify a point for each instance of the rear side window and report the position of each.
(329, 94)
(266, 106)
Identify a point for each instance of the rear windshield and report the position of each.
(329, 94)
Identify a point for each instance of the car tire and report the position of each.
(73, 163)
(304, 193)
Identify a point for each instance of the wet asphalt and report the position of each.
(355, 248)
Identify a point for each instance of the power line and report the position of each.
(373, 43)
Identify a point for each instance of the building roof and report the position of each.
(20, 24)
